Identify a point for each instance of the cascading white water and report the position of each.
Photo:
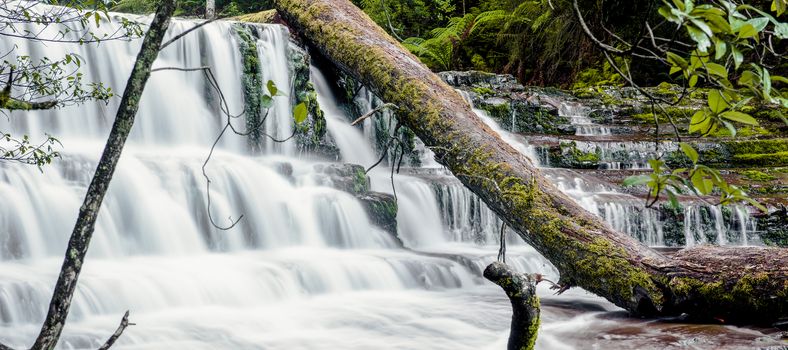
(154, 250)
(624, 212)
(578, 116)
(304, 269)
(513, 140)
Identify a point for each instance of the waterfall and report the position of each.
(154, 248)
(702, 223)
(578, 116)
(300, 257)
(304, 269)
(513, 140)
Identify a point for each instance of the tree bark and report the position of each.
(521, 290)
(737, 285)
(210, 9)
(83, 230)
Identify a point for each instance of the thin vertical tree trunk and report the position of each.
(86, 221)
(210, 9)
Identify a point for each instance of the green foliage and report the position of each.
(51, 82)
(408, 18)
(759, 176)
(445, 48)
(231, 10)
(731, 51)
(23, 151)
(300, 113)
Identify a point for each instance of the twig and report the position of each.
(502, 249)
(123, 324)
(372, 112)
(388, 19)
(590, 35)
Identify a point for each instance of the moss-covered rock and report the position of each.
(383, 122)
(252, 80)
(311, 135)
(516, 108)
(773, 228)
(382, 211)
(350, 178)
(568, 155)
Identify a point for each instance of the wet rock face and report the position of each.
(380, 207)
(773, 228)
(568, 155)
(350, 178)
(497, 82)
(382, 211)
(515, 107)
(311, 135)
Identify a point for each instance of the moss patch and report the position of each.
(252, 80)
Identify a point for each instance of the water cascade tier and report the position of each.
(309, 266)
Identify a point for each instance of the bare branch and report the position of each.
(372, 112)
(590, 35)
(124, 322)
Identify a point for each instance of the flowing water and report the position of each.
(304, 269)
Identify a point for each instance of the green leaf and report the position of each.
(299, 113)
(779, 6)
(693, 80)
(677, 60)
(759, 23)
(665, 12)
(700, 121)
(703, 185)
(739, 117)
(719, 48)
(781, 29)
(730, 127)
(679, 5)
(688, 6)
(747, 31)
(702, 26)
(636, 180)
(755, 203)
(748, 78)
(674, 202)
(272, 88)
(716, 69)
(266, 101)
(689, 151)
(781, 79)
(717, 103)
(656, 164)
(767, 85)
(738, 57)
(699, 37)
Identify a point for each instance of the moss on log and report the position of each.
(586, 251)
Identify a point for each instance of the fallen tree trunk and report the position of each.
(742, 285)
(521, 290)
